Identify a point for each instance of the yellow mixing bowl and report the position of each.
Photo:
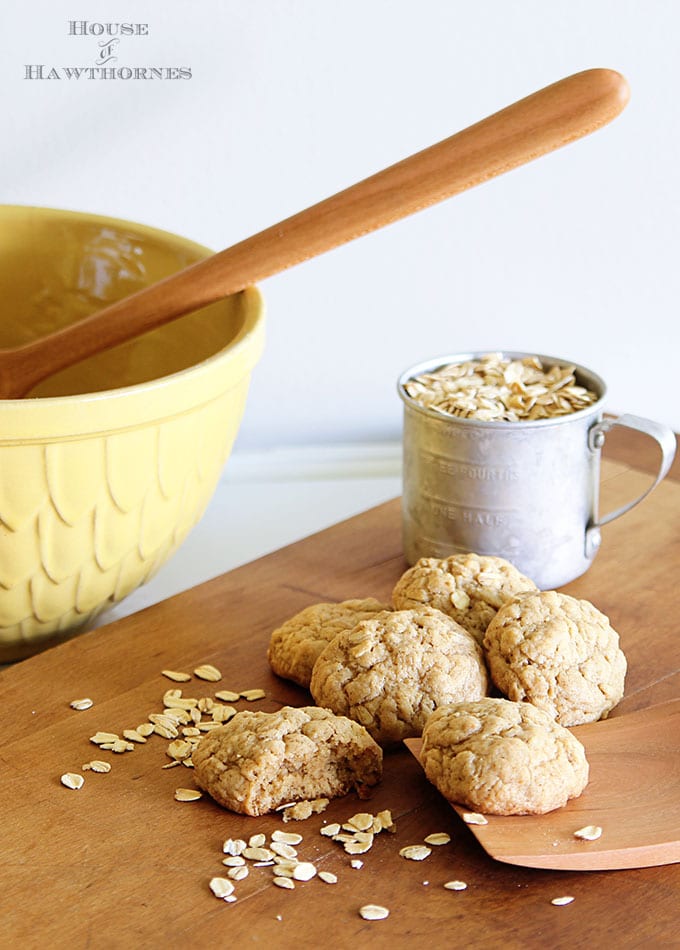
(106, 466)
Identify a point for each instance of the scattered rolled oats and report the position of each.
(299, 811)
(227, 696)
(561, 901)
(252, 694)
(438, 838)
(287, 837)
(234, 846)
(221, 887)
(257, 854)
(415, 852)
(238, 873)
(474, 818)
(283, 850)
(234, 861)
(496, 388)
(356, 863)
(179, 749)
(385, 821)
(455, 885)
(97, 765)
(362, 821)
(373, 912)
(328, 877)
(177, 677)
(145, 729)
(72, 780)
(221, 713)
(119, 746)
(100, 738)
(358, 847)
(133, 735)
(208, 672)
(187, 794)
(285, 868)
(81, 703)
(330, 831)
(588, 833)
(257, 841)
(304, 871)
(284, 882)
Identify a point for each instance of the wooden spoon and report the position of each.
(540, 123)
(632, 794)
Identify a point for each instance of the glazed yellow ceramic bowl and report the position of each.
(106, 466)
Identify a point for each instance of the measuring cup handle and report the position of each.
(664, 436)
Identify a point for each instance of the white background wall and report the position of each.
(291, 100)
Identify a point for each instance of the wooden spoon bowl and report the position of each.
(633, 795)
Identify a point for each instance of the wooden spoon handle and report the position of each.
(540, 123)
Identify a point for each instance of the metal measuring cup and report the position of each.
(526, 491)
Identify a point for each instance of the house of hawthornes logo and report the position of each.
(100, 58)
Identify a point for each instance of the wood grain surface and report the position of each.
(120, 863)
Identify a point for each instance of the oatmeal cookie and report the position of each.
(468, 587)
(258, 761)
(390, 672)
(503, 758)
(294, 647)
(558, 653)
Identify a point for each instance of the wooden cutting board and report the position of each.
(120, 863)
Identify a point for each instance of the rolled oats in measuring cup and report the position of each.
(502, 457)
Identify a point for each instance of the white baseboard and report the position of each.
(316, 462)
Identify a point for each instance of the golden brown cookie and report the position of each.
(468, 587)
(558, 653)
(503, 758)
(295, 646)
(258, 760)
(390, 672)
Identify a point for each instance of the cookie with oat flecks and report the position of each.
(392, 671)
(294, 647)
(558, 653)
(259, 761)
(468, 587)
(502, 758)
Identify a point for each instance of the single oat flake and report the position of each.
(588, 833)
(97, 765)
(415, 852)
(455, 885)
(187, 795)
(286, 837)
(373, 912)
(72, 780)
(221, 887)
(208, 672)
(227, 696)
(438, 838)
(284, 882)
(561, 901)
(474, 818)
(252, 694)
(304, 871)
(81, 703)
(177, 677)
